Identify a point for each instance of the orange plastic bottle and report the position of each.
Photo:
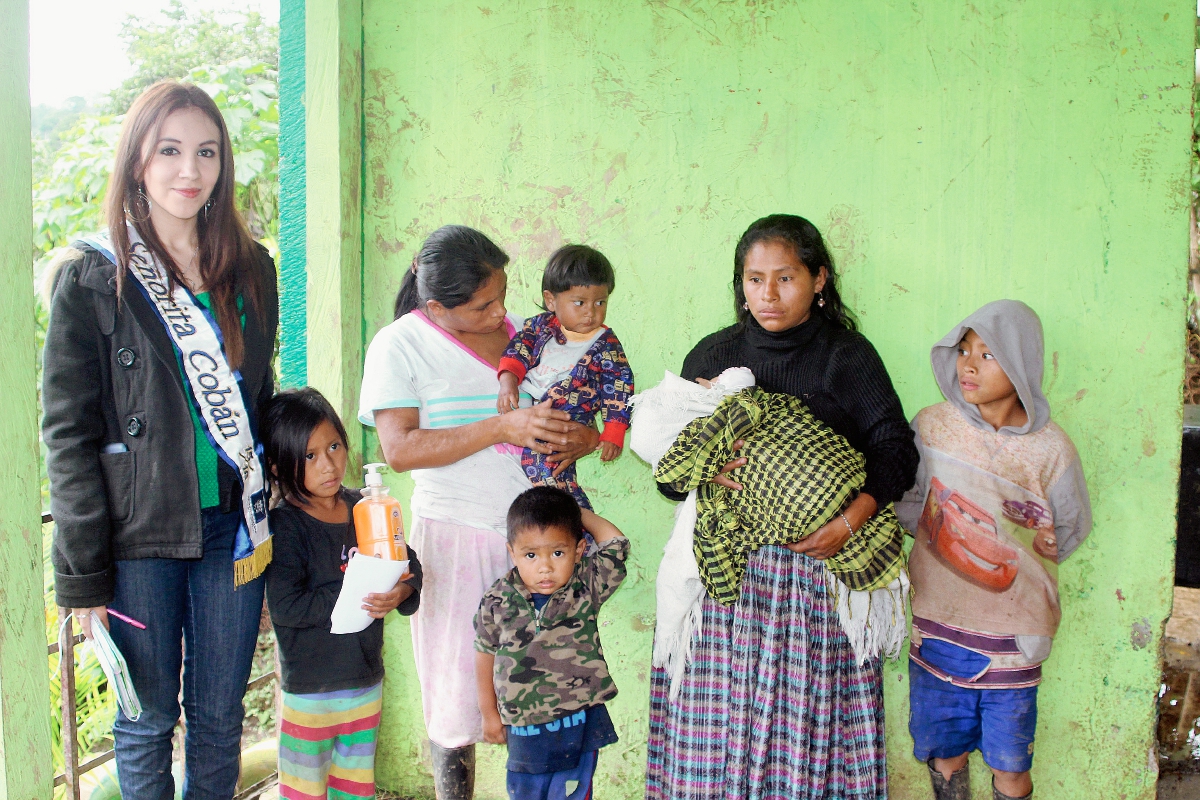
(378, 523)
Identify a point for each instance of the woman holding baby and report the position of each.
(774, 702)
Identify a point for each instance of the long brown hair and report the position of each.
(227, 254)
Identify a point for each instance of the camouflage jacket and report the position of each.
(549, 663)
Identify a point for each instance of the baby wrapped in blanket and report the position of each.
(799, 475)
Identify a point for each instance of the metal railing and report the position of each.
(73, 770)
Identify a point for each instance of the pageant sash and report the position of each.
(215, 390)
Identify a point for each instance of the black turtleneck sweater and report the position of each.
(841, 378)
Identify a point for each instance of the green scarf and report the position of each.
(799, 476)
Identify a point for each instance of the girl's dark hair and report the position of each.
(544, 507)
(450, 267)
(288, 420)
(577, 265)
(227, 253)
(804, 238)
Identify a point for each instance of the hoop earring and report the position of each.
(129, 212)
(820, 300)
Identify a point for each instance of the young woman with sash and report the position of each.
(157, 357)
(430, 388)
(774, 704)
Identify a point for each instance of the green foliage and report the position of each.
(68, 187)
(187, 40)
(248, 95)
(260, 701)
(1195, 143)
(48, 122)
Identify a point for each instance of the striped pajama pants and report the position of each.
(327, 744)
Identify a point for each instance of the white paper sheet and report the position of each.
(364, 575)
(115, 669)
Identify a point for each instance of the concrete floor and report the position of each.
(1179, 707)
(1179, 787)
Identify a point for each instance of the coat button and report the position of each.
(126, 357)
(134, 427)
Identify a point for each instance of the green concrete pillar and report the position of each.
(25, 766)
(293, 279)
(333, 174)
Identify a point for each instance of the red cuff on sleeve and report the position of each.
(613, 432)
(510, 364)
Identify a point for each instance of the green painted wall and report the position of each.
(25, 768)
(952, 154)
(333, 206)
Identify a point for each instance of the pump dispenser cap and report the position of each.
(373, 476)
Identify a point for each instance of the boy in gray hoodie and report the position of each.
(1000, 501)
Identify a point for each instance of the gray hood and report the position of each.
(1013, 332)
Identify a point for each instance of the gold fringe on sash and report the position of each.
(248, 568)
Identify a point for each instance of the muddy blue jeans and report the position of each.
(196, 620)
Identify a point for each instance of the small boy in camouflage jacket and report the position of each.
(539, 665)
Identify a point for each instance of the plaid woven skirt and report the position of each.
(773, 704)
(327, 744)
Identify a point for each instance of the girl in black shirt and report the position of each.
(332, 683)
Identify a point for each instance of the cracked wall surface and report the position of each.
(951, 153)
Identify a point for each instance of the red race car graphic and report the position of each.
(965, 536)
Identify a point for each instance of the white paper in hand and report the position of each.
(364, 576)
(115, 669)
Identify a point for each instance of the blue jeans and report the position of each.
(947, 720)
(196, 620)
(554, 785)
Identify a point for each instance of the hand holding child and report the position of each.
(378, 604)
(580, 441)
(828, 540)
(509, 397)
(722, 478)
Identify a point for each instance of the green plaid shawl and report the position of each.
(799, 476)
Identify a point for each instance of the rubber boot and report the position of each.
(999, 795)
(957, 788)
(453, 771)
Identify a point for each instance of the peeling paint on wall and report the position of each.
(1139, 634)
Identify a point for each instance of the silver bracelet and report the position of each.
(849, 527)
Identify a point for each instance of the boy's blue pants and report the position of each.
(568, 784)
(947, 720)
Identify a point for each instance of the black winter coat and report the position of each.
(110, 376)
